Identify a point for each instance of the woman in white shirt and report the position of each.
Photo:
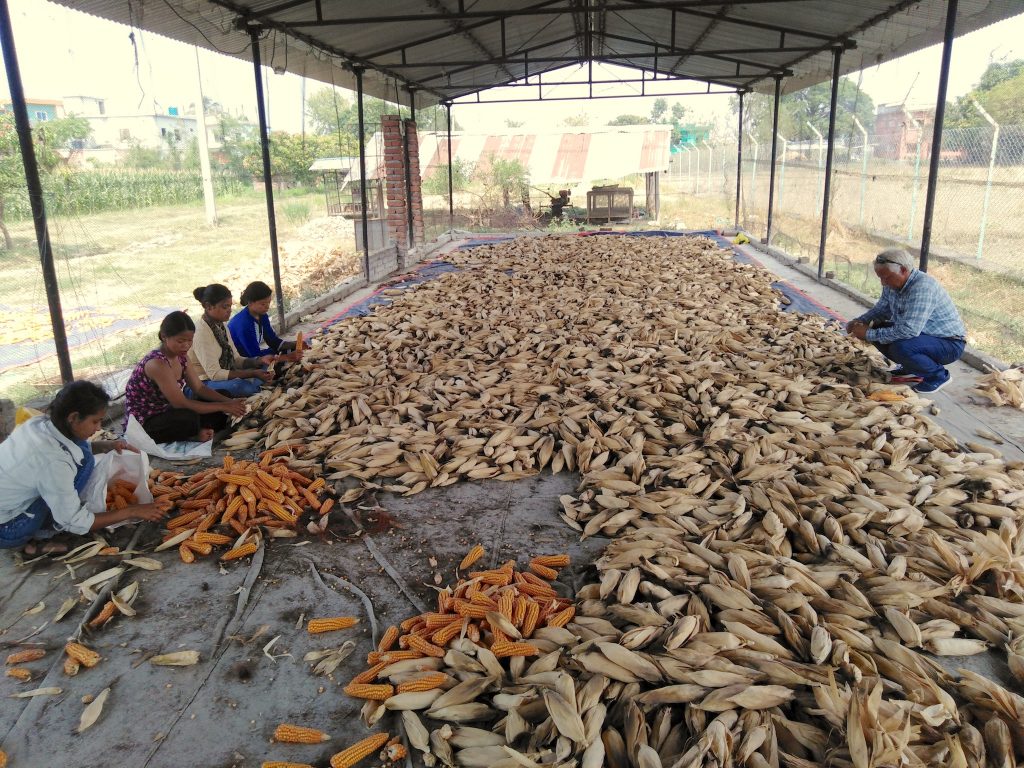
(44, 466)
(213, 355)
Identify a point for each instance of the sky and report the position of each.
(64, 53)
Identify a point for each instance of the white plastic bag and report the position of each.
(111, 466)
(135, 435)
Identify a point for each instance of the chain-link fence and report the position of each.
(880, 173)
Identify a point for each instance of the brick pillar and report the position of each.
(394, 181)
(415, 182)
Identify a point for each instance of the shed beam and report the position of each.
(775, 154)
(362, 173)
(685, 53)
(829, 154)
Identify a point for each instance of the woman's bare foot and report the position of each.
(36, 548)
(205, 434)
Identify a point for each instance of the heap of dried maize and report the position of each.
(1003, 387)
(219, 504)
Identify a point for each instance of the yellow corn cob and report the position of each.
(359, 750)
(279, 764)
(3, 759)
(433, 621)
(428, 682)
(109, 551)
(519, 611)
(445, 635)
(370, 691)
(242, 481)
(297, 734)
(217, 539)
(199, 549)
(395, 751)
(471, 557)
(243, 551)
(20, 673)
(469, 610)
(71, 667)
(506, 603)
(473, 632)
(300, 345)
(544, 572)
(317, 484)
(370, 674)
(21, 657)
(387, 640)
(497, 578)
(497, 636)
(186, 554)
(530, 620)
(210, 519)
(317, 626)
(409, 624)
(327, 506)
(561, 618)
(444, 601)
(552, 561)
(505, 649)
(479, 598)
(81, 654)
(534, 590)
(278, 511)
(268, 479)
(182, 520)
(392, 656)
(417, 643)
(106, 614)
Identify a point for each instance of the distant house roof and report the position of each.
(558, 157)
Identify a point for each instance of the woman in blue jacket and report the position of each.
(250, 327)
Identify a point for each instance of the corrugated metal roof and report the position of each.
(445, 50)
(565, 157)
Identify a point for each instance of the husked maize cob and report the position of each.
(469, 610)
(109, 551)
(473, 632)
(417, 643)
(471, 557)
(30, 654)
(268, 479)
(534, 590)
(71, 667)
(409, 624)
(20, 673)
(186, 554)
(217, 539)
(498, 578)
(369, 675)
(300, 344)
(359, 750)
(392, 656)
(210, 519)
(326, 507)
(106, 614)
(298, 734)
(444, 601)
(445, 635)
(506, 603)
(519, 611)
(561, 618)
(387, 640)
(245, 550)
(279, 764)
(505, 649)
(434, 621)
(317, 626)
(427, 682)
(3, 759)
(530, 620)
(479, 598)
(317, 484)
(544, 572)
(552, 561)
(84, 656)
(370, 691)
(182, 520)
(199, 549)
(242, 481)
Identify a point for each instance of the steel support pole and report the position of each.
(829, 155)
(940, 115)
(775, 152)
(268, 179)
(363, 203)
(739, 161)
(451, 197)
(863, 169)
(35, 193)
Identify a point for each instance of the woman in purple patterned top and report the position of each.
(155, 392)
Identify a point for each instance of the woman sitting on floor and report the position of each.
(155, 392)
(251, 329)
(213, 356)
(45, 465)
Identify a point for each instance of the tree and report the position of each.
(678, 112)
(629, 120)
(658, 110)
(49, 138)
(510, 123)
(508, 179)
(579, 120)
(810, 105)
(330, 112)
(1000, 91)
(437, 182)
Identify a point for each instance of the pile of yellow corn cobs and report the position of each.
(392, 749)
(121, 494)
(235, 498)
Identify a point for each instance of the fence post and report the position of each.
(739, 162)
(711, 161)
(782, 170)
(817, 193)
(689, 169)
(863, 170)
(696, 178)
(991, 170)
(917, 176)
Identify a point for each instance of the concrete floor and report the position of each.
(222, 711)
